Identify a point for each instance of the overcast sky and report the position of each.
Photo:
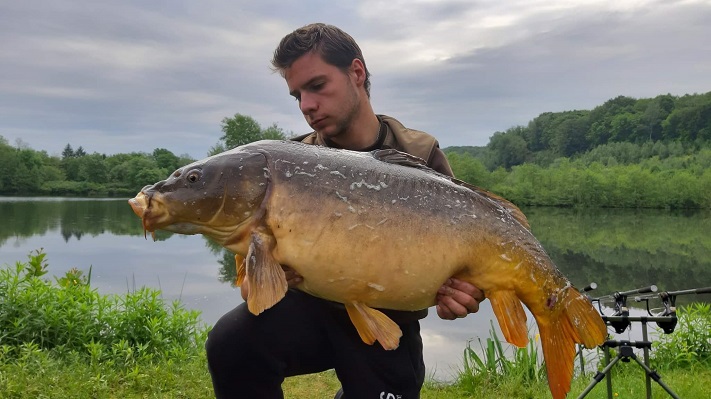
(124, 76)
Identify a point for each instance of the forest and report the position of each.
(625, 153)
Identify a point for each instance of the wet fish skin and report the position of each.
(373, 230)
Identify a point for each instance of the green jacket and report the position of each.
(394, 135)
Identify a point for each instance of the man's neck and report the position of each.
(362, 133)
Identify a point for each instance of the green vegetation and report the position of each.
(665, 123)
(675, 182)
(242, 129)
(691, 346)
(626, 153)
(62, 339)
(495, 367)
(77, 173)
(69, 317)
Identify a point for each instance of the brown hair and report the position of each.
(335, 46)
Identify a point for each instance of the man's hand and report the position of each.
(457, 298)
(292, 278)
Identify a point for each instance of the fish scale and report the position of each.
(373, 231)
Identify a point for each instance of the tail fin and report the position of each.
(578, 322)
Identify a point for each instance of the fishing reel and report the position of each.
(668, 310)
(620, 319)
(665, 317)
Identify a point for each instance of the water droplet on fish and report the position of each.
(376, 287)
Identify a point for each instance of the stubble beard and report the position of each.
(344, 124)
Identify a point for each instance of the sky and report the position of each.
(132, 76)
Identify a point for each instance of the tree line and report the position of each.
(77, 173)
(605, 177)
(684, 120)
(638, 153)
(641, 153)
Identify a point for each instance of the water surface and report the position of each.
(618, 249)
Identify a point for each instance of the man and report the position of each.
(249, 356)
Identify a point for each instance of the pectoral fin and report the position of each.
(267, 282)
(512, 319)
(241, 270)
(373, 325)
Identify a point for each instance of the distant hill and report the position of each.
(475, 151)
(677, 121)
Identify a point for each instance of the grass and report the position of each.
(62, 339)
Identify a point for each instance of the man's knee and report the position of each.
(229, 340)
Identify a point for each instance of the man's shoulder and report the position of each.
(417, 143)
(412, 141)
(398, 128)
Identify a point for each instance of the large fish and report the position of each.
(373, 230)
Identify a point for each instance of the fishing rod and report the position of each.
(666, 319)
(669, 302)
(621, 319)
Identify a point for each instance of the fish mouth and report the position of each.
(149, 209)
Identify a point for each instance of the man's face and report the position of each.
(327, 96)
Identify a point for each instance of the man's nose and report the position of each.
(307, 103)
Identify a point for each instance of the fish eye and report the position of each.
(193, 176)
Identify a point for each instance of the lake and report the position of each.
(618, 249)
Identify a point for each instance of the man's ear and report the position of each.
(357, 70)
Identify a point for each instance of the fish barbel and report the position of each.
(373, 230)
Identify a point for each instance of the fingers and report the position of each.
(466, 288)
(292, 277)
(457, 298)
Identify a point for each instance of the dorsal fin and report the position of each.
(399, 158)
(405, 159)
(512, 209)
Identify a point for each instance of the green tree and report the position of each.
(240, 130)
(508, 149)
(166, 159)
(68, 152)
(273, 132)
(469, 169)
(71, 166)
(92, 168)
(27, 178)
(8, 165)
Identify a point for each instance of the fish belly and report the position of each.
(371, 246)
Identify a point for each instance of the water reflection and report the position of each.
(626, 249)
(618, 249)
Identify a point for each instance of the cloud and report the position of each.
(133, 76)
